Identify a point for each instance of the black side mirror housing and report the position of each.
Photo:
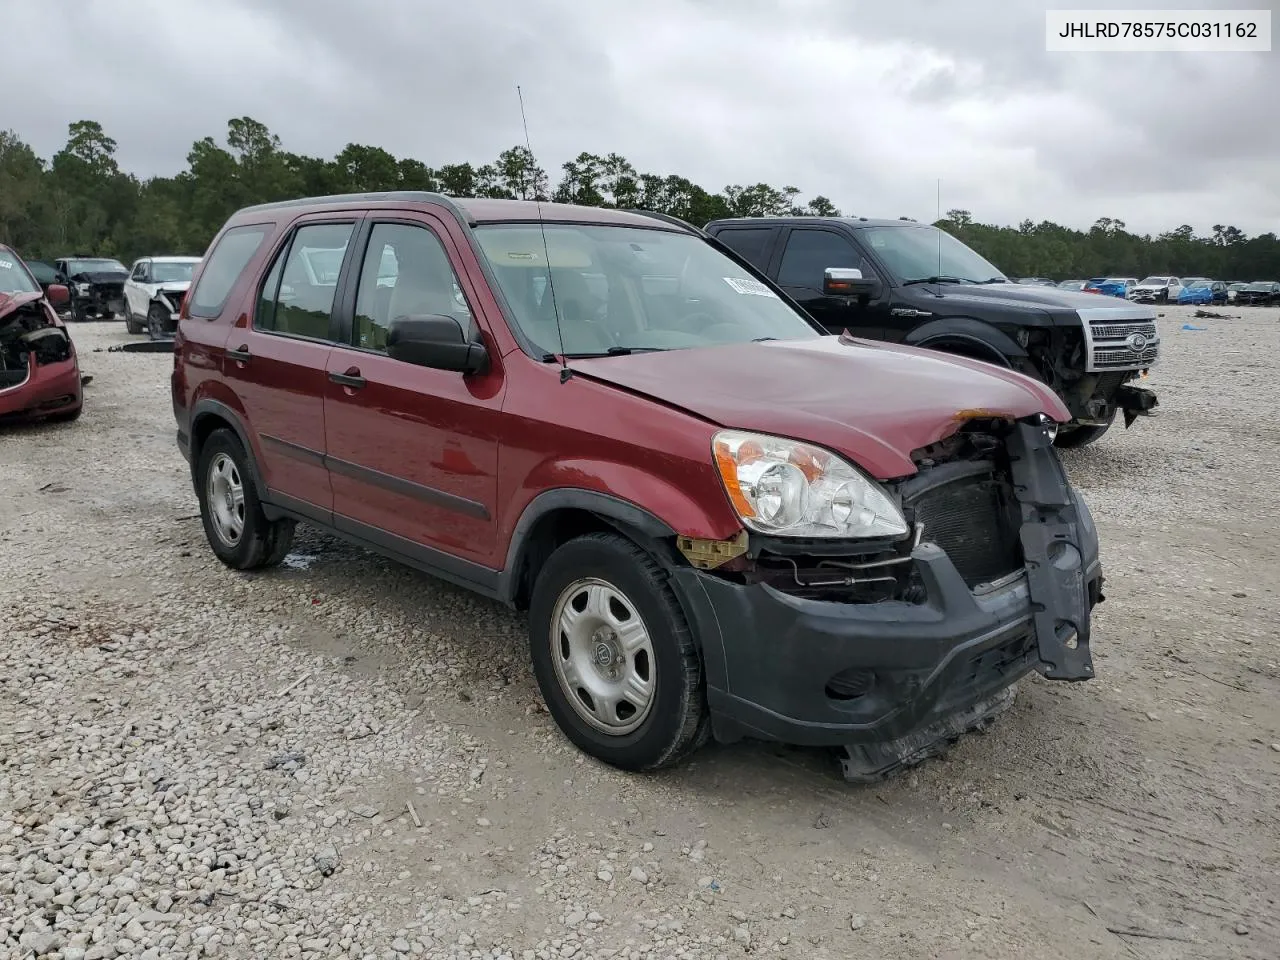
(435, 341)
(849, 282)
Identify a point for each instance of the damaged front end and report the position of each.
(890, 650)
(95, 295)
(39, 373)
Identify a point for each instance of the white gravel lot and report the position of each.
(344, 758)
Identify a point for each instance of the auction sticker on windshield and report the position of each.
(745, 285)
(6, 264)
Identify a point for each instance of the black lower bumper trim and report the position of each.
(1135, 402)
(872, 762)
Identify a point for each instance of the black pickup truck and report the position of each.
(915, 284)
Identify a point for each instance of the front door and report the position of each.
(136, 297)
(806, 255)
(276, 363)
(412, 451)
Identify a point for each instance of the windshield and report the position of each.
(95, 266)
(1071, 284)
(13, 275)
(1259, 285)
(1200, 284)
(917, 251)
(1237, 286)
(1154, 282)
(170, 271)
(627, 288)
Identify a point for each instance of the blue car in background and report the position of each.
(1203, 292)
(1107, 286)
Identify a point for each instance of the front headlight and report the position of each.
(82, 289)
(793, 489)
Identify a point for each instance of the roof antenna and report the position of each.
(565, 372)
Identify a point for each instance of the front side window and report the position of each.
(603, 289)
(297, 298)
(914, 252)
(406, 273)
(234, 250)
(809, 252)
(139, 271)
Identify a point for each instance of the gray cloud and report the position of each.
(868, 103)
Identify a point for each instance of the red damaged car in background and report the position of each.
(39, 373)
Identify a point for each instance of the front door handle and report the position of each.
(240, 355)
(350, 379)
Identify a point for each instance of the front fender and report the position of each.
(967, 329)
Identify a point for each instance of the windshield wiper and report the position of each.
(613, 352)
(995, 280)
(763, 339)
(907, 283)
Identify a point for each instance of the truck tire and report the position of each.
(238, 531)
(614, 656)
(130, 321)
(1079, 437)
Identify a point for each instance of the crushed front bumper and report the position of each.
(50, 389)
(888, 681)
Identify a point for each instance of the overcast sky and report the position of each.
(868, 102)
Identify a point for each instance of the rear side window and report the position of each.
(297, 297)
(228, 259)
(751, 244)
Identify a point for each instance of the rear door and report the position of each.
(276, 361)
(412, 451)
(807, 252)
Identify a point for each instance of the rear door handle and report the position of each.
(241, 355)
(350, 379)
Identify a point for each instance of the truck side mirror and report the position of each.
(849, 282)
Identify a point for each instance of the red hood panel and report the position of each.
(10, 302)
(872, 402)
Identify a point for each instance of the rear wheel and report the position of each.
(614, 656)
(130, 321)
(237, 529)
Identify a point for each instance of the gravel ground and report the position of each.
(343, 758)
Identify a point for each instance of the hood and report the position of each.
(872, 402)
(1012, 295)
(173, 286)
(100, 276)
(1152, 286)
(9, 302)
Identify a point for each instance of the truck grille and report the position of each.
(972, 516)
(1120, 344)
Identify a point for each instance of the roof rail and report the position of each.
(407, 196)
(667, 218)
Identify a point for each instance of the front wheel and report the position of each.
(157, 317)
(614, 657)
(1080, 436)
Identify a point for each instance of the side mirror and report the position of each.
(434, 341)
(57, 295)
(849, 282)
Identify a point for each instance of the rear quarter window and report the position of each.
(230, 256)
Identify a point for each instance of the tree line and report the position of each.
(80, 201)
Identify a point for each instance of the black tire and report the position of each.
(1080, 436)
(677, 720)
(157, 317)
(79, 313)
(262, 542)
(130, 321)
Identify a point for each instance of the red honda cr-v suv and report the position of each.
(720, 520)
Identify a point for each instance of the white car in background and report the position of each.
(153, 294)
(1157, 290)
